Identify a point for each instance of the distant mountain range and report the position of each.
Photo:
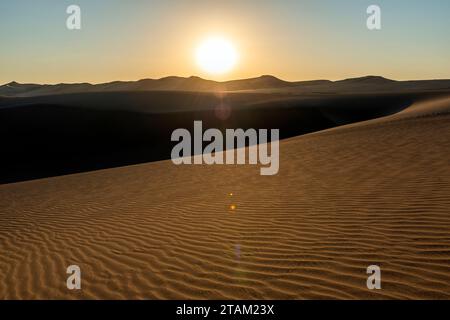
(262, 83)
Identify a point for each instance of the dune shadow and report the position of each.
(56, 135)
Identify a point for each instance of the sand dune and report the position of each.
(60, 134)
(376, 192)
(265, 83)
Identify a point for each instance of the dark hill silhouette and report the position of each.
(197, 84)
(367, 80)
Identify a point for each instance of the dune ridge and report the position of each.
(53, 135)
(262, 83)
(345, 198)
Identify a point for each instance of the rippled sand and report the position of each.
(370, 193)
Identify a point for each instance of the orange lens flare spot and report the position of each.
(232, 207)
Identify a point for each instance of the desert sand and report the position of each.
(375, 192)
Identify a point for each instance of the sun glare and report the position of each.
(216, 56)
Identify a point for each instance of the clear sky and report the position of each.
(293, 40)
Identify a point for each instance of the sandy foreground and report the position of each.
(376, 192)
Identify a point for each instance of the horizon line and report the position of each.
(225, 81)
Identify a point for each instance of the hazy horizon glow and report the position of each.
(292, 40)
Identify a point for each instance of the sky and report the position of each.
(293, 40)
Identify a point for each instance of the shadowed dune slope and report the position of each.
(344, 199)
(54, 135)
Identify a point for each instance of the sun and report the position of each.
(216, 55)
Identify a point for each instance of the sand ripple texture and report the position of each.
(373, 193)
